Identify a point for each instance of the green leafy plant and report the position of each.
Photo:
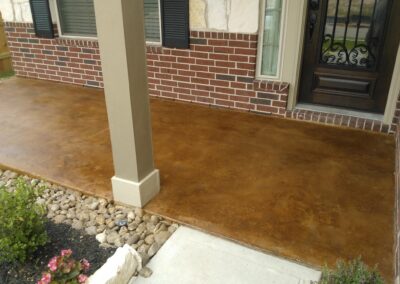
(6, 74)
(63, 269)
(22, 222)
(351, 272)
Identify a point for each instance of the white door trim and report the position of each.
(394, 92)
(292, 47)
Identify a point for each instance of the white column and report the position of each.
(120, 29)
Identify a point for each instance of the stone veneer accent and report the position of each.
(217, 70)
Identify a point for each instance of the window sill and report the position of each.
(277, 78)
(153, 44)
(72, 37)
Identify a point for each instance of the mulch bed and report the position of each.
(61, 236)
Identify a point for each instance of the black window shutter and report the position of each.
(42, 18)
(175, 23)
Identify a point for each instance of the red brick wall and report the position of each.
(69, 61)
(217, 70)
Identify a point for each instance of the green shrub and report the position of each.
(352, 272)
(6, 74)
(22, 222)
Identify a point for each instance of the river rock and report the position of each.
(112, 237)
(131, 216)
(139, 212)
(101, 238)
(94, 205)
(153, 249)
(133, 239)
(154, 220)
(173, 228)
(149, 239)
(59, 219)
(145, 272)
(77, 225)
(54, 207)
(161, 237)
(91, 230)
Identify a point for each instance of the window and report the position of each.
(152, 20)
(270, 39)
(76, 18)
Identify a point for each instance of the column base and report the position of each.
(136, 193)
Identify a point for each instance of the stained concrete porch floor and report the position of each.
(303, 191)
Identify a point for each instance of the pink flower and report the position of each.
(66, 252)
(85, 264)
(71, 264)
(82, 278)
(46, 278)
(53, 265)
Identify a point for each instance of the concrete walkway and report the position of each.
(302, 191)
(190, 256)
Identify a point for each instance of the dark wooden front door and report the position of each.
(349, 53)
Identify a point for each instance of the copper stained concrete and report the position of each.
(299, 190)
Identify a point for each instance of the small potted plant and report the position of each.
(63, 269)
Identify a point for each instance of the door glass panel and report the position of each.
(353, 32)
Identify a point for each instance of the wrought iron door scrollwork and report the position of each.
(333, 52)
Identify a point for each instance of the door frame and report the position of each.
(292, 66)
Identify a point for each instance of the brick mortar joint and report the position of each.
(77, 42)
(18, 24)
(264, 84)
(223, 35)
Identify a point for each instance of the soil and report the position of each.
(61, 236)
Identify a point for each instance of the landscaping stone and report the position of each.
(94, 205)
(149, 239)
(77, 225)
(112, 237)
(154, 220)
(113, 225)
(100, 220)
(59, 219)
(145, 272)
(131, 216)
(91, 230)
(153, 249)
(133, 239)
(161, 237)
(119, 268)
(101, 238)
(54, 207)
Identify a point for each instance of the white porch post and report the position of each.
(120, 28)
